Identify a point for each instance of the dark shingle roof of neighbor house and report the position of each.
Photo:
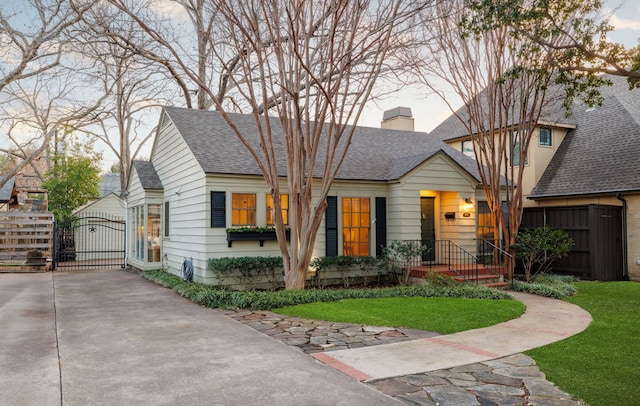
(148, 176)
(109, 183)
(374, 154)
(452, 128)
(601, 155)
(6, 189)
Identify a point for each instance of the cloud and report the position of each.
(622, 23)
(171, 8)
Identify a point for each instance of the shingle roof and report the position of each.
(374, 154)
(109, 183)
(148, 175)
(6, 189)
(601, 155)
(452, 127)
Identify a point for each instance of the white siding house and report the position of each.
(399, 184)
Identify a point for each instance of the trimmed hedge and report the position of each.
(248, 271)
(350, 270)
(216, 297)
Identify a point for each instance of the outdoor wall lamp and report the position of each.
(468, 204)
(466, 207)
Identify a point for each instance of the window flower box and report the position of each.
(260, 234)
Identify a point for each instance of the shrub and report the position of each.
(400, 255)
(539, 248)
(217, 297)
(350, 268)
(248, 269)
(554, 286)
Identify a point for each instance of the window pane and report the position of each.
(355, 226)
(284, 203)
(545, 136)
(485, 226)
(346, 219)
(467, 149)
(154, 242)
(243, 209)
(515, 149)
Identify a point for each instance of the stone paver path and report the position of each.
(512, 380)
(313, 336)
(508, 381)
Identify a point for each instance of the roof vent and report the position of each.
(398, 118)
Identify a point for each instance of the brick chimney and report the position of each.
(398, 118)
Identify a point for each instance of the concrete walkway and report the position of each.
(110, 337)
(113, 338)
(545, 321)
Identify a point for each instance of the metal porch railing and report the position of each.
(447, 256)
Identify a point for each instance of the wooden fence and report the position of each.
(26, 241)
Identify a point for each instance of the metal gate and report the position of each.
(93, 240)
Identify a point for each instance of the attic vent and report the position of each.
(589, 109)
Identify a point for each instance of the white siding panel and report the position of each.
(439, 177)
(179, 171)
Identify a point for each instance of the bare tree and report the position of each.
(38, 114)
(504, 92)
(132, 84)
(312, 64)
(32, 50)
(33, 40)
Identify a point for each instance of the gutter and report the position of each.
(625, 262)
(582, 194)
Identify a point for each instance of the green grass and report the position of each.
(599, 365)
(439, 314)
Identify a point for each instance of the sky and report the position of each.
(428, 109)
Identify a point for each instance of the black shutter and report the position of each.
(331, 225)
(166, 219)
(381, 224)
(218, 206)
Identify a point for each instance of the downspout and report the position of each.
(625, 262)
(126, 228)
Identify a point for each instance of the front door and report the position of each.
(427, 227)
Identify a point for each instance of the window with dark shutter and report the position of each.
(331, 227)
(218, 203)
(381, 224)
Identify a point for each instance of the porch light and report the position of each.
(468, 204)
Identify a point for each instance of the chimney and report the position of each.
(398, 118)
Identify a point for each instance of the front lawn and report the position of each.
(439, 314)
(600, 365)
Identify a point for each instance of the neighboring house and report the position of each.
(393, 185)
(582, 175)
(28, 194)
(109, 183)
(6, 194)
(95, 237)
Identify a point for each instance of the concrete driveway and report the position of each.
(109, 337)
